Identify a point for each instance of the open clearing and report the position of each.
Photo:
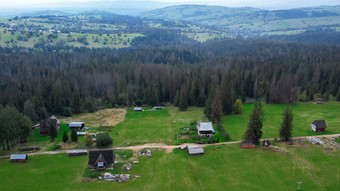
(104, 117)
(225, 167)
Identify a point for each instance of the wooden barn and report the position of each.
(319, 126)
(101, 159)
(46, 124)
(18, 157)
(76, 125)
(247, 144)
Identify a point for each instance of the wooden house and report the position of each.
(47, 124)
(319, 126)
(76, 125)
(205, 129)
(101, 159)
(18, 157)
(158, 108)
(138, 109)
(247, 144)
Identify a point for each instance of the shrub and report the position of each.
(210, 140)
(88, 140)
(224, 134)
(74, 136)
(196, 138)
(109, 105)
(65, 137)
(103, 140)
(56, 147)
(193, 123)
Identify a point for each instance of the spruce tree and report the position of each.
(216, 107)
(207, 108)
(65, 137)
(183, 99)
(74, 136)
(52, 130)
(254, 131)
(238, 107)
(287, 125)
(76, 101)
(176, 99)
(338, 95)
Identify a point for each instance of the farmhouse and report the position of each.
(247, 144)
(319, 126)
(101, 160)
(205, 129)
(138, 109)
(195, 150)
(18, 157)
(46, 124)
(76, 125)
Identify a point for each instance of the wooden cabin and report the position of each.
(101, 159)
(319, 126)
(76, 125)
(19, 157)
(46, 124)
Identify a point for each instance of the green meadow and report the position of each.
(226, 167)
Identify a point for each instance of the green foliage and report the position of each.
(53, 132)
(287, 125)
(176, 99)
(207, 108)
(254, 131)
(74, 136)
(216, 106)
(65, 137)
(109, 105)
(76, 101)
(103, 140)
(196, 138)
(210, 140)
(88, 139)
(56, 147)
(238, 106)
(338, 95)
(183, 99)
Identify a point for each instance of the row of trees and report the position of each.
(254, 131)
(14, 127)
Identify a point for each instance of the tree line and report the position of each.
(66, 81)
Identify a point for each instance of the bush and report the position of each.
(74, 136)
(192, 123)
(109, 105)
(56, 147)
(196, 138)
(103, 140)
(210, 140)
(224, 134)
(65, 137)
(88, 140)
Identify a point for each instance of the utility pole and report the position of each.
(299, 185)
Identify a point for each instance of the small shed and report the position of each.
(76, 125)
(195, 150)
(247, 144)
(158, 108)
(19, 157)
(138, 109)
(101, 159)
(36, 126)
(205, 129)
(319, 126)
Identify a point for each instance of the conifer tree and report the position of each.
(53, 130)
(183, 99)
(74, 136)
(338, 95)
(238, 107)
(76, 101)
(176, 99)
(287, 125)
(207, 108)
(216, 107)
(254, 131)
(65, 137)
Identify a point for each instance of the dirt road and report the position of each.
(168, 148)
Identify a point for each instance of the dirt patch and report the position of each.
(69, 145)
(104, 117)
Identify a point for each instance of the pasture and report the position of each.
(225, 167)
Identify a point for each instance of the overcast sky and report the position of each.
(269, 4)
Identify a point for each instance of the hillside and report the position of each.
(252, 21)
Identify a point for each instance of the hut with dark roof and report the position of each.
(319, 126)
(101, 159)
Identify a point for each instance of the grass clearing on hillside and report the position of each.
(104, 117)
(304, 114)
(226, 167)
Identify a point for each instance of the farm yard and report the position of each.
(226, 167)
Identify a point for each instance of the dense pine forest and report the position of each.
(66, 81)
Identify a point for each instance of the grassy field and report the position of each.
(304, 115)
(220, 168)
(153, 126)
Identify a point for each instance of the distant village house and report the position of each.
(138, 109)
(76, 125)
(18, 157)
(158, 108)
(195, 150)
(319, 126)
(47, 124)
(205, 129)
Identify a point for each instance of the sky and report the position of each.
(267, 4)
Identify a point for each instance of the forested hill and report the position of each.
(251, 21)
(74, 80)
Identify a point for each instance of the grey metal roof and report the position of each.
(319, 124)
(137, 108)
(205, 126)
(195, 150)
(75, 124)
(18, 156)
(76, 151)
